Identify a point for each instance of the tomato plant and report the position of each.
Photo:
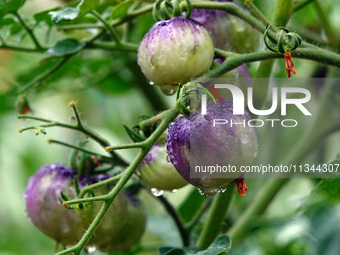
(257, 102)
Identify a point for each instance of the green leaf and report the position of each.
(171, 251)
(135, 137)
(6, 22)
(70, 13)
(65, 14)
(221, 245)
(10, 6)
(15, 29)
(121, 9)
(86, 6)
(327, 191)
(13, 26)
(45, 17)
(65, 47)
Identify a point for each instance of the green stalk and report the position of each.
(168, 116)
(323, 124)
(113, 33)
(29, 31)
(283, 10)
(217, 214)
(332, 36)
(301, 4)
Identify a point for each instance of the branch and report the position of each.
(168, 116)
(99, 156)
(199, 214)
(44, 75)
(78, 126)
(172, 212)
(113, 33)
(235, 60)
(301, 4)
(29, 31)
(129, 16)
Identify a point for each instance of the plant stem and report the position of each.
(99, 156)
(217, 214)
(332, 36)
(44, 75)
(236, 60)
(230, 8)
(19, 48)
(103, 142)
(257, 13)
(172, 212)
(150, 92)
(301, 4)
(125, 146)
(168, 116)
(99, 184)
(128, 47)
(129, 16)
(199, 214)
(113, 33)
(283, 11)
(28, 30)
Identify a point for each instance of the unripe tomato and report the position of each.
(228, 32)
(156, 172)
(194, 140)
(67, 226)
(174, 51)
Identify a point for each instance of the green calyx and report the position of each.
(166, 9)
(285, 42)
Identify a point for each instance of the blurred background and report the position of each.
(110, 89)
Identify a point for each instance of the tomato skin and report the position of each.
(228, 32)
(239, 77)
(174, 51)
(194, 141)
(156, 172)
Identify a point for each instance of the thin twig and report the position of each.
(301, 4)
(28, 30)
(44, 75)
(99, 156)
(113, 33)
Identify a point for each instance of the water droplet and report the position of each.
(201, 192)
(244, 138)
(170, 91)
(151, 82)
(157, 192)
(174, 190)
(208, 117)
(91, 249)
